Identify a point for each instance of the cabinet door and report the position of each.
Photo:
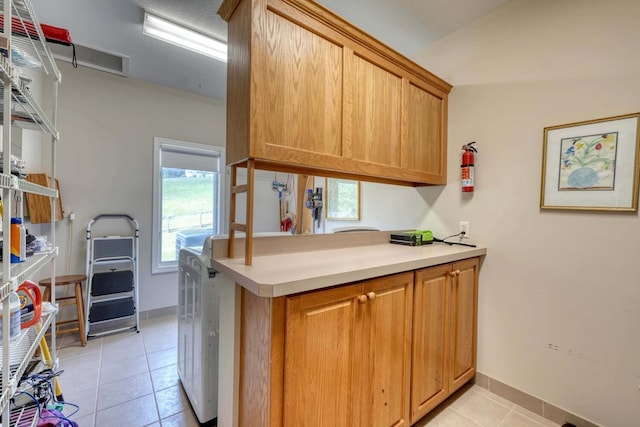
(424, 131)
(464, 309)
(322, 345)
(385, 384)
(374, 116)
(429, 379)
(394, 125)
(297, 79)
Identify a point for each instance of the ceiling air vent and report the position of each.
(89, 57)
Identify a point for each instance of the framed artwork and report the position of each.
(591, 165)
(343, 199)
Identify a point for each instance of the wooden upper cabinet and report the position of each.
(298, 92)
(375, 113)
(425, 121)
(307, 92)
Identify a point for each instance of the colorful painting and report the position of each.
(592, 165)
(588, 162)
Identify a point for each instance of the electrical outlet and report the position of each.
(463, 227)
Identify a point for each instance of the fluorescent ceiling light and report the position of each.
(183, 37)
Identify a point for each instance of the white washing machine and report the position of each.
(198, 331)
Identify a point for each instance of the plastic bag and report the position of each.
(54, 418)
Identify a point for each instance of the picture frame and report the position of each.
(342, 199)
(592, 165)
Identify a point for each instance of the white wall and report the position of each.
(550, 277)
(105, 159)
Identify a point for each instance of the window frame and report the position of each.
(191, 148)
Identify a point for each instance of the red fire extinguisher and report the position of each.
(467, 172)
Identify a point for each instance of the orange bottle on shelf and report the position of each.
(18, 241)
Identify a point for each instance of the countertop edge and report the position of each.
(310, 282)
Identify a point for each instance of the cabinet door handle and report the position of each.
(371, 295)
(457, 272)
(452, 273)
(362, 299)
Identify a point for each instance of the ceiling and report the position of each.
(115, 27)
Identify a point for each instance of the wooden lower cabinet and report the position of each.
(347, 355)
(322, 346)
(444, 333)
(383, 352)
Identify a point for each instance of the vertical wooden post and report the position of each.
(234, 226)
(248, 250)
(232, 212)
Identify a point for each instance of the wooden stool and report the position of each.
(74, 279)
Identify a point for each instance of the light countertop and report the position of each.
(278, 274)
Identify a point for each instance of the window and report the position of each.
(187, 189)
(342, 199)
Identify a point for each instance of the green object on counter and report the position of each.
(426, 235)
(412, 238)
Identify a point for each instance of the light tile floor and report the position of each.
(126, 379)
(129, 379)
(474, 406)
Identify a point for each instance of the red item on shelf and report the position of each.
(51, 33)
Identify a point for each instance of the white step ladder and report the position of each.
(112, 280)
